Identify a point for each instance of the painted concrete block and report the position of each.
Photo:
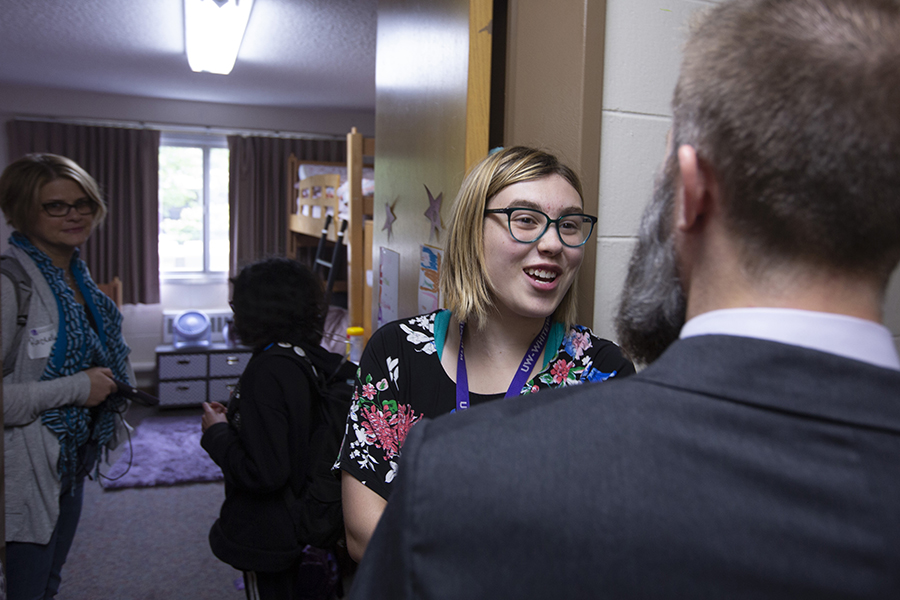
(643, 53)
(612, 265)
(632, 149)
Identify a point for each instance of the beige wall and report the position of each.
(554, 85)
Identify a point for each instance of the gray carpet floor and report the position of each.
(148, 543)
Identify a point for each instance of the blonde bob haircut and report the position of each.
(21, 183)
(464, 281)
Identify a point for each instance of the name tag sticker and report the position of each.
(41, 340)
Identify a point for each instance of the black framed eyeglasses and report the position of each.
(527, 225)
(58, 208)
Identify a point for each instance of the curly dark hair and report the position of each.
(276, 300)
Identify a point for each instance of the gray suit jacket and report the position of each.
(731, 467)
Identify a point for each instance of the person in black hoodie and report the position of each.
(261, 439)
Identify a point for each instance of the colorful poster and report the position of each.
(388, 287)
(429, 275)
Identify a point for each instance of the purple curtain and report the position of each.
(257, 191)
(125, 162)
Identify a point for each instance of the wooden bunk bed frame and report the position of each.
(309, 203)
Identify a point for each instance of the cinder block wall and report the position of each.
(641, 60)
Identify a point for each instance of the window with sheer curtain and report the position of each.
(193, 207)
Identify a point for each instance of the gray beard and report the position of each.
(652, 306)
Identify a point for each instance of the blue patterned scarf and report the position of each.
(79, 347)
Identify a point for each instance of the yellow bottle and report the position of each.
(355, 343)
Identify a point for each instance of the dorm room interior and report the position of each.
(518, 76)
(589, 81)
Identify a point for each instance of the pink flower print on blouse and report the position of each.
(578, 343)
(406, 418)
(387, 430)
(368, 390)
(379, 431)
(560, 371)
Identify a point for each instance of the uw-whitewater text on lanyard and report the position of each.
(522, 373)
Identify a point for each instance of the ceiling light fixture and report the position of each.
(213, 31)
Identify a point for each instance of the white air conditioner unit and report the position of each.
(217, 320)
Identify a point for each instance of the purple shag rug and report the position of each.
(164, 451)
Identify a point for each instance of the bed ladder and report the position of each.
(320, 264)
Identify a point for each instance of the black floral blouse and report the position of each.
(400, 380)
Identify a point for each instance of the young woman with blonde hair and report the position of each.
(515, 244)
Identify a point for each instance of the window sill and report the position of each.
(192, 278)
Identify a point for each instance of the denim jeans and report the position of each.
(34, 571)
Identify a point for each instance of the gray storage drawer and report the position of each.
(182, 366)
(182, 393)
(228, 364)
(220, 389)
(188, 377)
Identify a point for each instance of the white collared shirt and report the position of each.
(842, 335)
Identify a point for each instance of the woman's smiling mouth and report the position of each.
(542, 275)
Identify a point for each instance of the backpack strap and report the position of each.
(12, 268)
(315, 507)
(319, 379)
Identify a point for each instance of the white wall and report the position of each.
(641, 62)
(143, 323)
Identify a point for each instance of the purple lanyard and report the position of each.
(518, 382)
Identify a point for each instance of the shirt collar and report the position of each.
(842, 335)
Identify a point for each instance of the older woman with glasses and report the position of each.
(513, 252)
(62, 353)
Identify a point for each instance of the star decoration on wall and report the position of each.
(389, 219)
(434, 213)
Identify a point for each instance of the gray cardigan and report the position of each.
(31, 450)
